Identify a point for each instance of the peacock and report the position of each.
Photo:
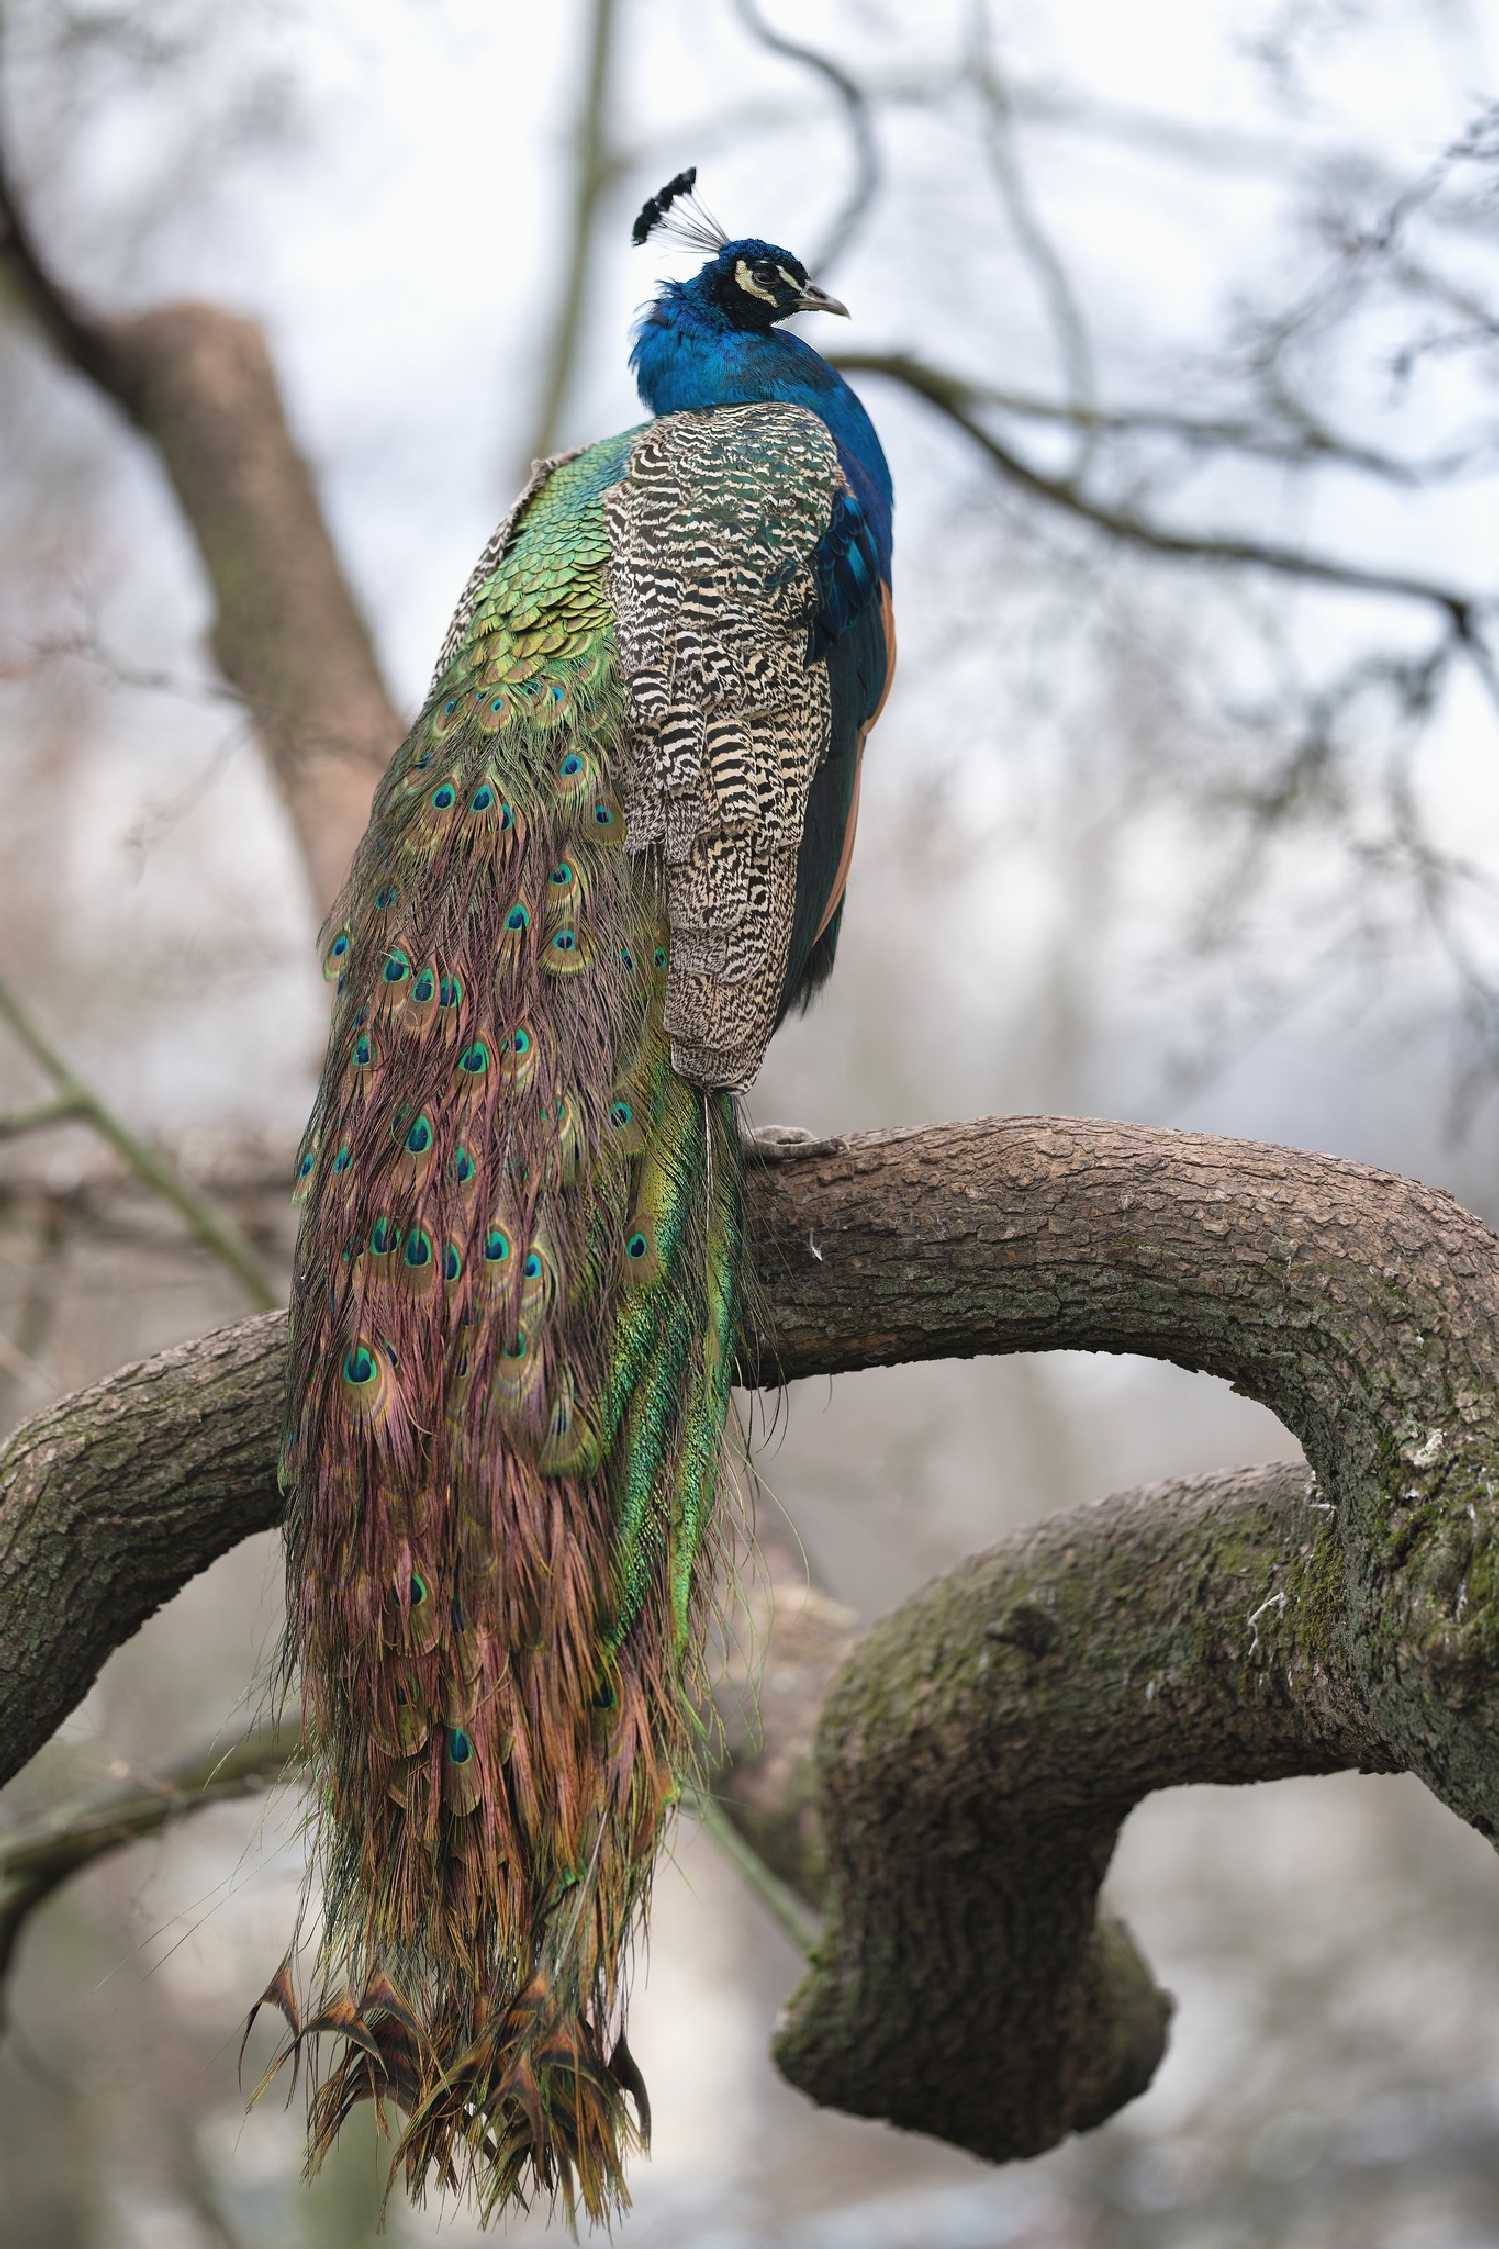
(607, 859)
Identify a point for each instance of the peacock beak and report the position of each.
(813, 299)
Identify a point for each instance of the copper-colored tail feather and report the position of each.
(512, 1343)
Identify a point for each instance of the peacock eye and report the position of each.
(765, 273)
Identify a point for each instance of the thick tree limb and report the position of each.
(198, 384)
(978, 1753)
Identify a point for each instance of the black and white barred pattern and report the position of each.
(712, 531)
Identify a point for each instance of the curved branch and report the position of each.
(858, 204)
(976, 1760)
(954, 398)
(1305, 443)
(981, 1748)
(198, 384)
(1300, 1278)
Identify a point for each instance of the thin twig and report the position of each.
(858, 204)
(36, 1859)
(1036, 245)
(1462, 606)
(214, 1228)
(780, 1902)
(64, 1110)
(21, 1353)
(591, 173)
(1308, 444)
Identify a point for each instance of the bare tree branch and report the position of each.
(591, 169)
(858, 204)
(978, 1754)
(1305, 443)
(37, 1858)
(213, 1228)
(198, 384)
(1465, 608)
(1039, 251)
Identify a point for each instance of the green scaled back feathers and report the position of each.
(518, 1284)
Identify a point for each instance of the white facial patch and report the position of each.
(747, 282)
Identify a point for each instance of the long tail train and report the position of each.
(518, 1286)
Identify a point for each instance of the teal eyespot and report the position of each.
(460, 1748)
(340, 945)
(482, 798)
(661, 957)
(418, 1250)
(464, 1166)
(570, 765)
(519, 1348)
(444, 797)
(637, 1246)
(419, 1138)
(361, 1366)
(626, 957)
(565, 941)
(307, 1165)
(360, 1052)
(519, 917)
(521, 1042)
(383, 1237)
(561, 874)
(397, 967)
(603, 817)
(344, 1158)
(448, 709)
(420, 763)
(450, 991)
(386, 898)
(496, 1245)
(621, 1113)
(452, 1261)
(474, 1060)
(418, 1589)
(424, 989)
(532, 1267)
(507, 816)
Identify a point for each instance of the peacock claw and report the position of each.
(775, 1144)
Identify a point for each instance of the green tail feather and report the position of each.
(519, 1278)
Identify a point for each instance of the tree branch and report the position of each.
(592, 170)
(979, 1751)
(858, 203)
(37, 1859)
(976, 1760)
(211, 1227)
(1306, 443)
(198, 384)
(952, 397)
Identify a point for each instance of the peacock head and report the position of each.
(750, 284)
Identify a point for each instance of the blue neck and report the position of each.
(686, 356)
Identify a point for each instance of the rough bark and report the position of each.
(980, 1748)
